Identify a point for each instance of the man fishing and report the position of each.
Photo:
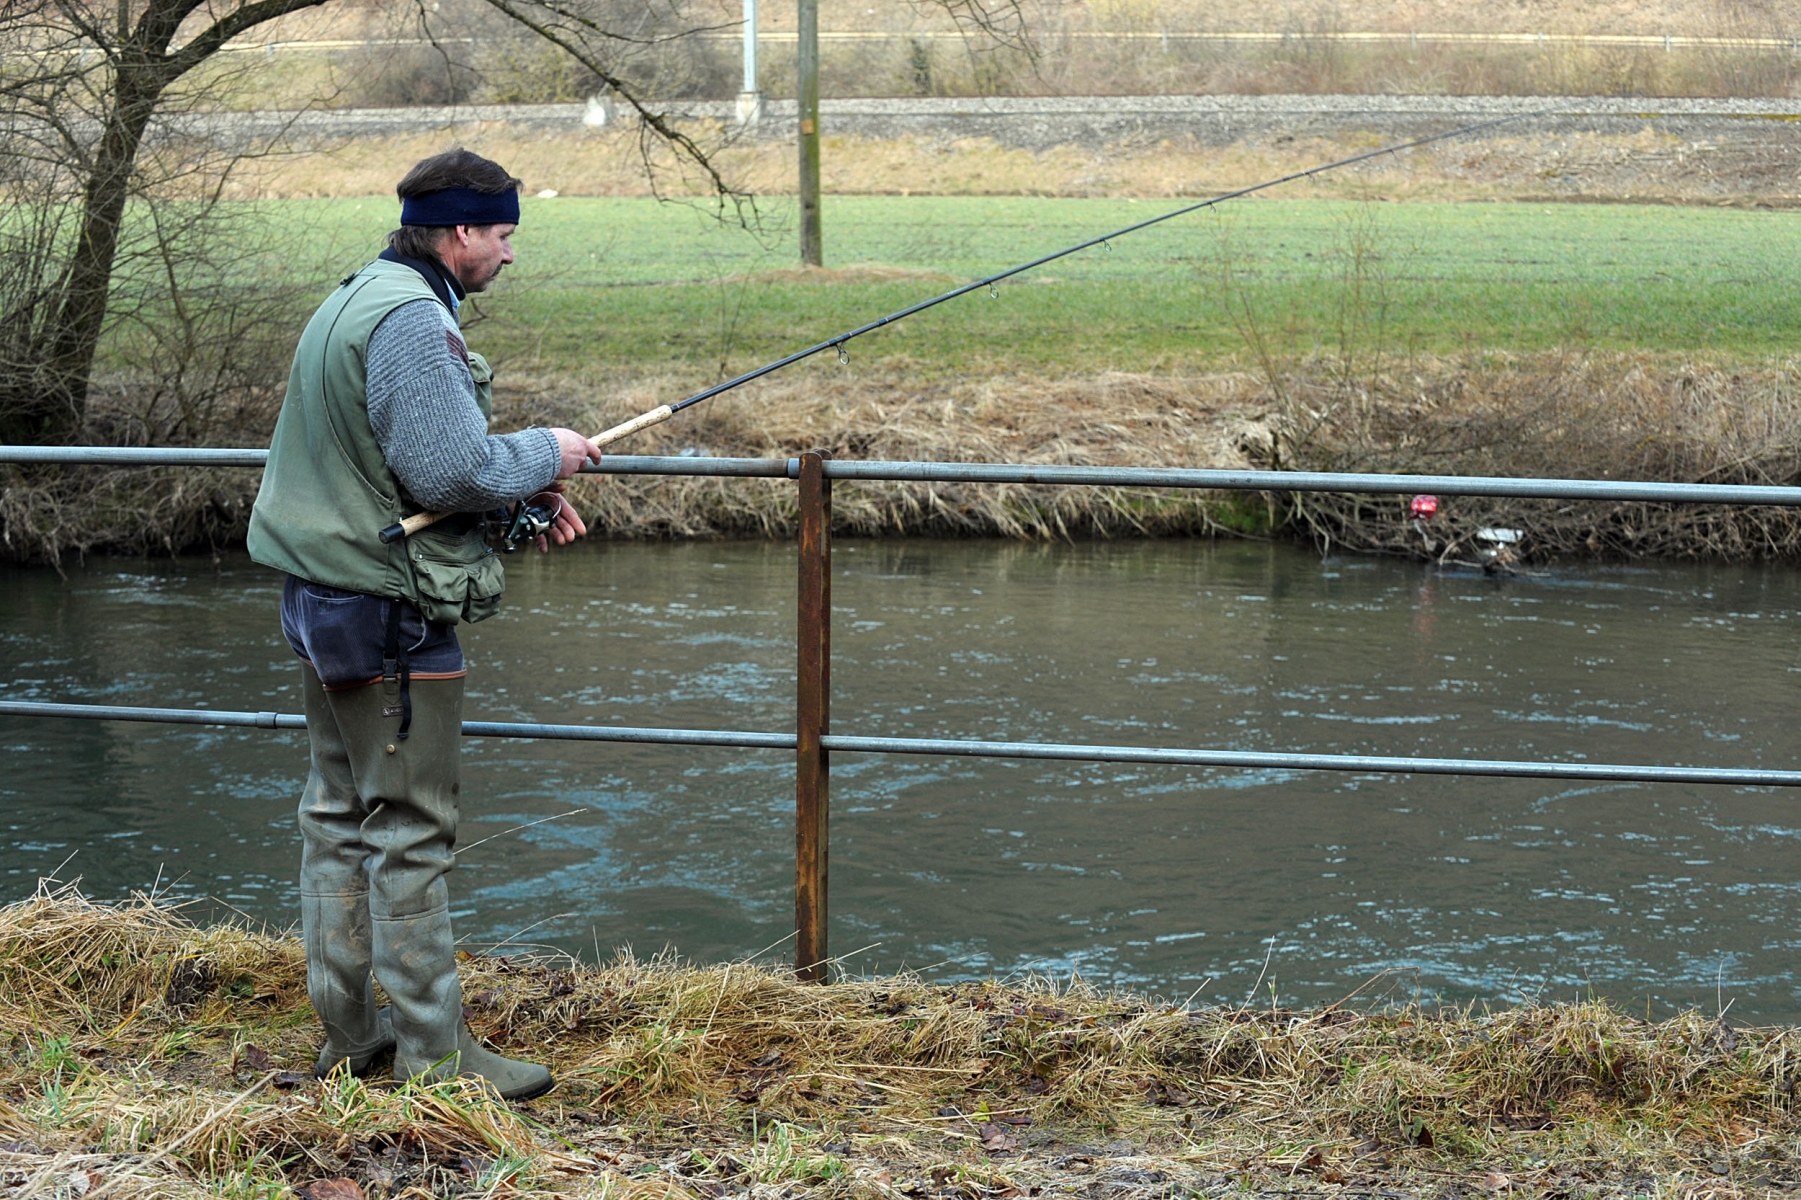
(386, 416)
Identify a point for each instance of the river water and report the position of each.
(1176, 880)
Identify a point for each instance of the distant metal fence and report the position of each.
(813, 742)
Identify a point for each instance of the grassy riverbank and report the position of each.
(1586, 416)
(153, 1058)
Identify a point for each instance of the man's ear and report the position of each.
(461, 233)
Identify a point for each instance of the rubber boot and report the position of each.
(410, 788)
(432, 1042)
(334, 897)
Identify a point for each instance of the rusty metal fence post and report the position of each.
(812, 773)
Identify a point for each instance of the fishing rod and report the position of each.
(527, 522)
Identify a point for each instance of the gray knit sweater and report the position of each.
(422, 407)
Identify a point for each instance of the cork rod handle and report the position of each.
(655, 416)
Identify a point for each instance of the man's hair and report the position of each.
(451, 169)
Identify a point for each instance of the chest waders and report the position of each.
(378, 815)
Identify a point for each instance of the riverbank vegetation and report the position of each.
(1644, 342)
(1595, 416)
(149, 1057)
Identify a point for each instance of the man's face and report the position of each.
(478, 252)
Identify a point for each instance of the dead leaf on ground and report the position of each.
(330, 1189)
(996, 1141)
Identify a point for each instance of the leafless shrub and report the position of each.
(1361, 404)
(1559, 416)
(420, 75)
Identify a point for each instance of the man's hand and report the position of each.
(576, 451)
(568, 523)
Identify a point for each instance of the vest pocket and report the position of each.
(459, 576)
(483, 375)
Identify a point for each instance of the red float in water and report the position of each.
(1424, 508)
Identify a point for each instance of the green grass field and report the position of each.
(638, 284)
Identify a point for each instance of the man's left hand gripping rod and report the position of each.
(413, 524)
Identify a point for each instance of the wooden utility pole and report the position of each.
(812, 243)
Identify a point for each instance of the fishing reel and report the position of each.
(530, 520)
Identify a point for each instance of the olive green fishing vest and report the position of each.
(327, 491)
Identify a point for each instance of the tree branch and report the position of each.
(92, 32)
(206, 43)
(684, 146)
(1003, 21)
(161, 21)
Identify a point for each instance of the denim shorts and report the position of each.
(342, 635)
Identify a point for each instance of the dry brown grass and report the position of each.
(1595, 416)
(1553, 415)
(49, 512)
(1648, 166)
(1570, 416)
(1114, 419)
(149, 1057)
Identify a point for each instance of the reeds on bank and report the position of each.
(146, 1056)
(1585, 416)
(1568, 415)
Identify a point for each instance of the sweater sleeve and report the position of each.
(422, 408)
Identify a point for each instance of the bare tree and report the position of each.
(90, 96)
(83, 83)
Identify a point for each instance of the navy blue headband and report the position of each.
(460, 206)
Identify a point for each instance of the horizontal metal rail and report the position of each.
(953, 747)
(1314, 481)
(133, 456)
(1065, 476)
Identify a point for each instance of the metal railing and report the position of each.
(813, 742)
(974, 472)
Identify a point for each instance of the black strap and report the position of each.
(443, 284)
(390, 655)
(394, 661)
